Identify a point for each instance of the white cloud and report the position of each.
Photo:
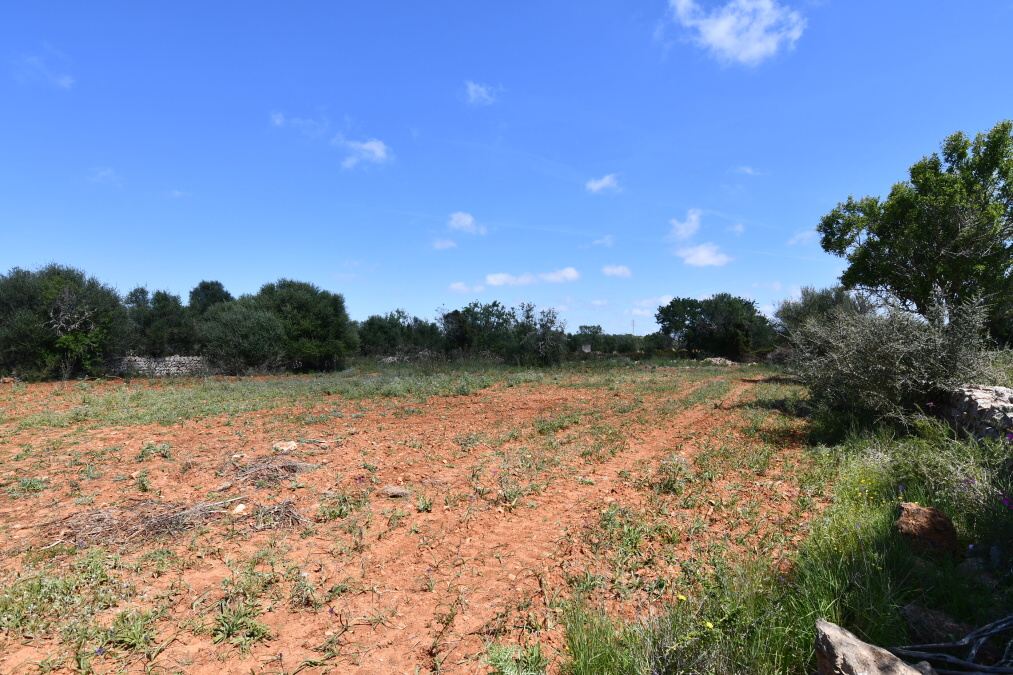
(703, 255)
(599, 303)
(640, 311)
(748, 171)
(684, 229)
(277, 119)
(480, 94)
(177, 194)
(608, 182)
(461, 287)
(311, 127)
(371, 151)
(617, 271)
(504, 279)
(462, 221)
(803, 237)
(560, 276)
(741, 31)
(608, 241)
(48, 69)
(444, 244)
(737, 229)
(104, 175)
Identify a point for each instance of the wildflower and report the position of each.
(709, 625)
(100, 651)
(681, 597)
(1009, 436)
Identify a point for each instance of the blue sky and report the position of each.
(596, 157)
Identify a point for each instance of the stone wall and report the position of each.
(167, 366)
(987, 412)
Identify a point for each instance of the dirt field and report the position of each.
(387, 522)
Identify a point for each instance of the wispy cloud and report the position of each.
(617, 271)
(741, 31)
(703, 255)
(311, 127)
(462, 221)
(607, 241)
(737, 229)
(748, 171)
(769, 285)
(104, 175)
(48, 68)
(177, 194)
(559, 276)
(803, 237)
(444, 244)
(684, 229)
(607, 183)
(461, 287)
(599, 303)
(648, 306)
(480, 94)
(370, 151)
(506, 279)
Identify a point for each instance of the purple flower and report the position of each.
(100, 651)
(1009, 436)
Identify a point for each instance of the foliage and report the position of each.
(943, 237)
(56, 321)
(240, 336)
(205, 294)
(818, 305)
(520, 335)
(888, 364)
(722, 325)
(398, 333)
(318, 334)
(160, 324)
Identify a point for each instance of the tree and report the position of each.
(318, 332)
(722, 325)
(205, 294)
(240, 336)
(161, 325)
(943, 237)
(818, 305)
(58, 321)
(396, 333)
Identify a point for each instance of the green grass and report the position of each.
(173, 402)
(853, 569)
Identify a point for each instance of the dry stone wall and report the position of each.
(167, 366)
(987, 412)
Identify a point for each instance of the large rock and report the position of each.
(927, 528)
(839, 652)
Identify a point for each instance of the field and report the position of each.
(380, 521)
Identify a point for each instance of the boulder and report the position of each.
(719, 361)
(927, 528)
(839, 652)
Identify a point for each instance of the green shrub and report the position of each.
(240, 337)
(888, 364)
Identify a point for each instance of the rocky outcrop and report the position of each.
(987, 412)
(839, 652)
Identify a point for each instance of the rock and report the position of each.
(927, 528)
(285, 446)
(239, 510)
(395, 491)
(839, 652)
(932, 626)
(718, 361)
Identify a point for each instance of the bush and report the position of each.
(888, 364)
(239, 337)
(818, 304)
(57, 321)
(318, 334)
(398, 333)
